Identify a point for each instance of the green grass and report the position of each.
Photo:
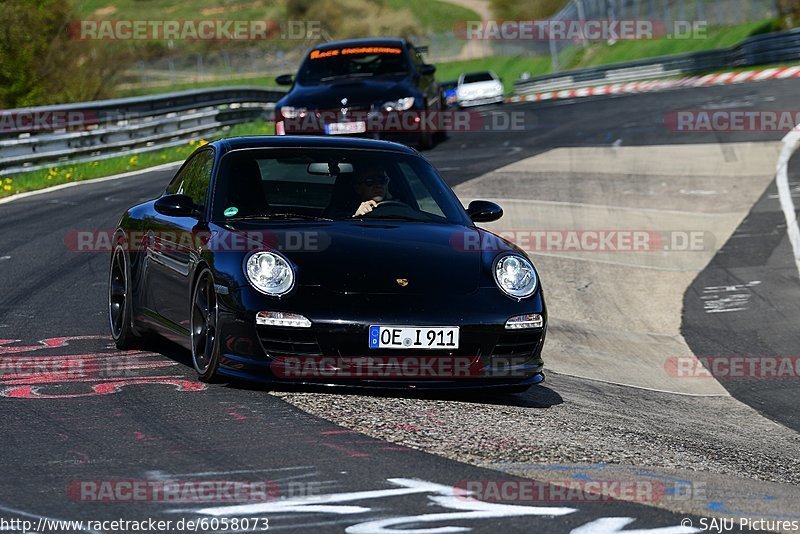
(170, 9)
(434, 15)
(61, 174)
(431, 15)
(509, 68)
(716, 37)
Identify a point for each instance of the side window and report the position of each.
(194, 178)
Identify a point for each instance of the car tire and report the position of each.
(425, 139)
(441, 135)
(203, 322)
(119, 300)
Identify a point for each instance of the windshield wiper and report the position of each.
(390, 217)
(351, 75)
(280, 216)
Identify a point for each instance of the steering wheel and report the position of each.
(389, 203)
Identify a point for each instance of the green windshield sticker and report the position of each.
(230, 212)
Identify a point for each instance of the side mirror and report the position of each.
(176, 206)
(484, 211)
(427, 70)
(284, 79)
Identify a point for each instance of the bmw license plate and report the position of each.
(413, 337)
(341, 128)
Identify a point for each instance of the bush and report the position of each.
(790, 13)
(525, 9)
(39, 62)
(344, 19)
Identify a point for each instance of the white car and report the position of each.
(476, 88)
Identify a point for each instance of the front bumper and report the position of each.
(480, 100)
(335, 351)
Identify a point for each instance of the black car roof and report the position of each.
(365, 41)
(308, 141)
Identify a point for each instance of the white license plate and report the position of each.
(413, 337)
(339, 128)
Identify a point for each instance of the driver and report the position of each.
(370, 186)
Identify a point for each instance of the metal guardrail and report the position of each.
(96, 130)
(769, 48)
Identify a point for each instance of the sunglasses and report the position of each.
(374, 180)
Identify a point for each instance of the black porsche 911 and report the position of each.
(326, 260)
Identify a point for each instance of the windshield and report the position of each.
(352, 62)
(478, 77)
(332, 184)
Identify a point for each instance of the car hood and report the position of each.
(357, 92)
(479, 86)
(379, 257)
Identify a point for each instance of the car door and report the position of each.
(172, 246)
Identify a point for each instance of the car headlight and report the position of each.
(515, 275)
(401, 104)
(290, 112)
(269, 273)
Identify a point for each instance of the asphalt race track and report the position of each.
(365, 465)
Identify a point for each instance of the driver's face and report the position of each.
(372, 186)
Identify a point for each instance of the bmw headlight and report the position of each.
(290, 112)
(269, 273)
(401, 104)
(515, 276)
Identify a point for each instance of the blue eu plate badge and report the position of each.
(374, 337)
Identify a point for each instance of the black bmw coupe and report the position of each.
(377, 88)
(327, 261)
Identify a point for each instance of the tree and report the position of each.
(790, 13)
(41, 64)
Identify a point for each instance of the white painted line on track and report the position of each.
(645, 388)
(791, 142)
(27, 194)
